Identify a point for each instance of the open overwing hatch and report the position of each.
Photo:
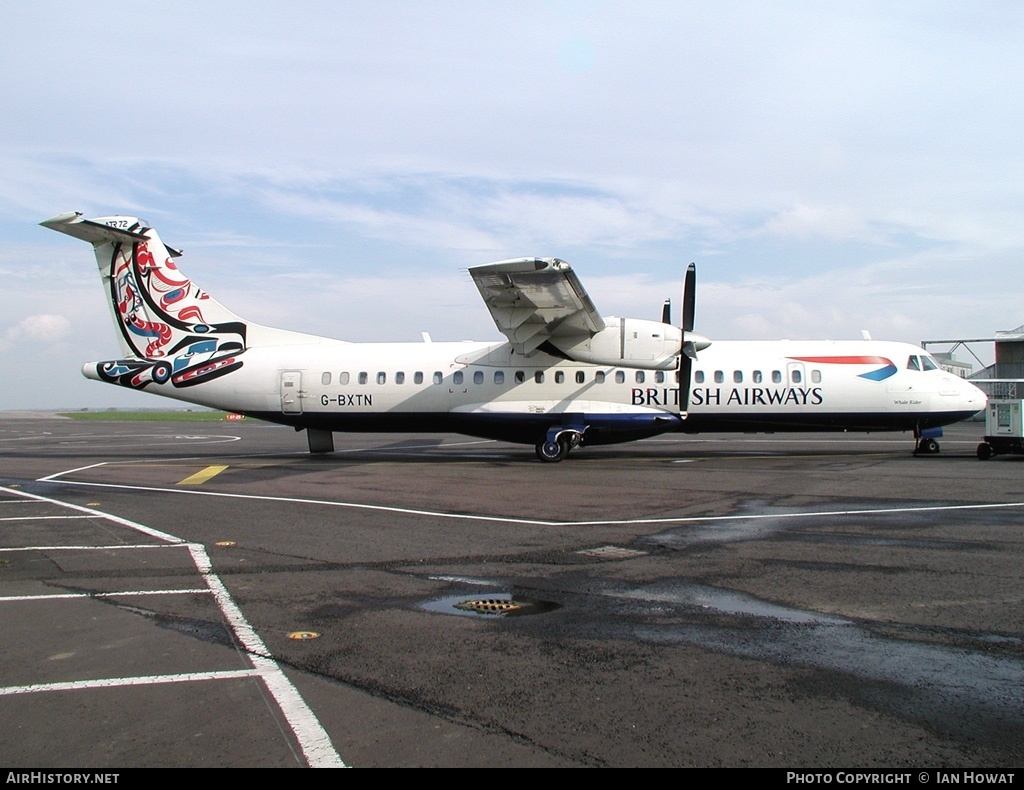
(540, 304)
(533, 300)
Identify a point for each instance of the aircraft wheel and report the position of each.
(553, 451)
(928, 446)
(985, 451)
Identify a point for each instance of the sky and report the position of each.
(336, 167)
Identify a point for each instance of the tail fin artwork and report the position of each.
(169, 329)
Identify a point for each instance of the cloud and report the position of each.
(44, 329)
(829, 166)
(802, 221)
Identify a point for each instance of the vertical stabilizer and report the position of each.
(159, 312)
(169, 329)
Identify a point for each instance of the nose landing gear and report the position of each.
(926, 441)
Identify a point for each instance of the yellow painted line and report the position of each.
(202, 476)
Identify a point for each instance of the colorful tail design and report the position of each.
(169, 329)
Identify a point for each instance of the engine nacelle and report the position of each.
(628, 342)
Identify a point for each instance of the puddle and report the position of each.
(488, 606)
(729, 602)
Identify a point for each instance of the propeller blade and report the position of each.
(690, 342)
(689, 297)
(685, 373)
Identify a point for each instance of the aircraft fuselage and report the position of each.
(488, 390)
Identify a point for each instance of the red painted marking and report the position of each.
(845, 360)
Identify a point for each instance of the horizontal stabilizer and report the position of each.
(104, 230)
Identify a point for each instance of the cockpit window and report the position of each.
(913, 363)
(928, 363)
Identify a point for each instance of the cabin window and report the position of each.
(520, 377)
(640, 377)
(795, 376)
(325, 378)
(364, 377)
(737, 377)
(677, 376)
(539, 376)
(438, 377)
(620, 377)
(457, 377)
(559, 377)
(499, 377)
(382, 378)
(599, 377)
(777, 376)
(580, 376)
(478, 377)
(816, 376)
(719, 377)
(698, 377)
(417, 377)
(400, 377)
(343, 378)
(756, 377)
(659, 377)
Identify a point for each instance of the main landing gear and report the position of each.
(558, 443)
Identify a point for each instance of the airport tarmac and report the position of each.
(210, 595)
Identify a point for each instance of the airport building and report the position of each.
(1003, 378)
(1002, 381)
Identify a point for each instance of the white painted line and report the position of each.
(153, 533)
(312, 737)
(304, 501)
(74, 685)
(539, 522)
(116, 546)
(13, 598)
(72, 471)
(40, 518)
(296, 453)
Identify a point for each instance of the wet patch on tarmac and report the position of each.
(955, 690)
(203, 630)
(758, 519)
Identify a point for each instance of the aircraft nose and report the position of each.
(973, 396)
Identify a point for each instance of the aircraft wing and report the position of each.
(533, 300)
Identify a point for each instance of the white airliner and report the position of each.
(565, 376)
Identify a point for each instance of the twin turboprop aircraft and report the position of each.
(565, 377)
